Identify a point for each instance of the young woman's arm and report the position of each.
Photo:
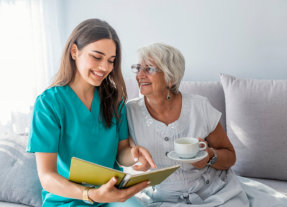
(54, 183)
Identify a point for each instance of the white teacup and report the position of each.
(188, 147)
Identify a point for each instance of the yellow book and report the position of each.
(85, 172)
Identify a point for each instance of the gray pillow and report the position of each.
(19, 182)
(256, 121)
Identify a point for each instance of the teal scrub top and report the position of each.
(62, 124)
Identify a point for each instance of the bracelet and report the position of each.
(213, 159)
(86, 196)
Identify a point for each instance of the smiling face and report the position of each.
(151, 84)
(95, 61)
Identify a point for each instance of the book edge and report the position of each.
(92, 163)
(154, 171)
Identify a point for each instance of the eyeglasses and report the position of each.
(136, 68)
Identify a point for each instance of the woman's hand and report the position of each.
(108, 193)
(219, 141)
(129, 154)
(142, 155)
(202, 163)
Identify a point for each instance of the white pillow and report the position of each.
(256, 122)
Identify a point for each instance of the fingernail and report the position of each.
(148, 182)
(114, 179)
(136, 159)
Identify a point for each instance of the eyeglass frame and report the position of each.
(145, 69)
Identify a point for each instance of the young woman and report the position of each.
(83, 115)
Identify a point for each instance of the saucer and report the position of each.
(200, 155)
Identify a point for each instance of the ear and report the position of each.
(74, 51)
(171, 85)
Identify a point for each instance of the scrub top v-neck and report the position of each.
(62, 124)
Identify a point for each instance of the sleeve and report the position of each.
(45, 128)
(122, 125)
(130, 121)
(212, 116)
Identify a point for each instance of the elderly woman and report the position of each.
(165, 114)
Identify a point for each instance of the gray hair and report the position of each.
(166, 58)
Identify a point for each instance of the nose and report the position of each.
(141, 73)
(103, 66)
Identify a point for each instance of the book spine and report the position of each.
(124, 181)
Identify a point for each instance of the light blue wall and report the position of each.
(245, 38)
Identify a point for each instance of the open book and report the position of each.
(85, 172)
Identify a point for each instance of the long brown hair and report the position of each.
(112, 90)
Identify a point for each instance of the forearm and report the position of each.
(125, 157)
(225, 158)
(58, 185)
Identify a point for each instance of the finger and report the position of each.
(201, 163)
(111, 182)
(135, 153)
(197, 165)
(200, 139)
(142, 167)
(144, 164)
(148, 157)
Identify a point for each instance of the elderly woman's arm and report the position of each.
(219, 141)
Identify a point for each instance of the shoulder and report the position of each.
(50, 97)
(194, 98)
(135, 103)
(135, 106)
(51, 93)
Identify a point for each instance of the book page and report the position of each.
(85, 172)
(155, 176)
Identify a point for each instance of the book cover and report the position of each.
(85, 172)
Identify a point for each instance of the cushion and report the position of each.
(210, 89)
(6, 204)
(19, 182)
(278, 185)
(256, 122)
(132, 88)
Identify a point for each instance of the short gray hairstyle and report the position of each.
(166, 58)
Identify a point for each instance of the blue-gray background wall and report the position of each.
(245, 38)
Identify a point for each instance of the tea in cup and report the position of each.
(188, 147)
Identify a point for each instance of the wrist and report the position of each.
(212, 156)
(85, 195)
(210, 153)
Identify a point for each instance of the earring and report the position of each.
(168, 94)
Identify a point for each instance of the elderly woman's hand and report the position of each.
(202, 163)
(143, 156)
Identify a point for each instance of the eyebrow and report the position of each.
(101, 53)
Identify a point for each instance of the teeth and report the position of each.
(98, 74)
(143, 84)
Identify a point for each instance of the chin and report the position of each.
(144, 93)
(95, 83)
